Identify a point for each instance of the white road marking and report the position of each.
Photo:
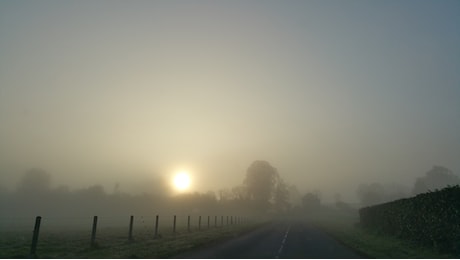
(283, 242)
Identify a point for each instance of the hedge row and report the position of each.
(430, 219)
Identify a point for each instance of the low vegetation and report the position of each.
(429, 219)
(370, 244)
(115, 245)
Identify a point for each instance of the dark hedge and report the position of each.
(430, 219)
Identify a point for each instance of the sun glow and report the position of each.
(181, 181)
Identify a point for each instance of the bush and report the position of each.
(430, 219)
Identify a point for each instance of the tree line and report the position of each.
(262, 191)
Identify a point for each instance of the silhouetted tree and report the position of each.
(295, 198)
(341, 205)
(311, 201)
(437, 178)
(34, 181)
(239, 193)
(395, 191)
(261, 179)
(224, 195)
(370, 194)
(281, 196)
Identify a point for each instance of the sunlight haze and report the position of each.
(331, 93)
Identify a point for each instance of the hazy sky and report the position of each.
(331, 93)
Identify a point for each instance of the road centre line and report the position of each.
(283, 242)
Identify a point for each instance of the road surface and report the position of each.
(277, 240)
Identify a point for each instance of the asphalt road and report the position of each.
(277, 240)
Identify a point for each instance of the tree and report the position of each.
(261, 179)
(370, 194)
(281, 196)
(34, 181)
(437, 178)
(311, 201)
(341, 205)
(295, 198)
(239, 193)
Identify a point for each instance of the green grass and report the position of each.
(371, 244)
(113, 244)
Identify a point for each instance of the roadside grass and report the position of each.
(368, 243)
(74, 245)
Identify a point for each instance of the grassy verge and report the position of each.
(372, 244)
(118, 247)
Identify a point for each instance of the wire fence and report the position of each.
(89, 232)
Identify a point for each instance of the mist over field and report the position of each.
(263, 106)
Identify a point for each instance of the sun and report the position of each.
(181, 181)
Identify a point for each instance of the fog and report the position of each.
(339, 97)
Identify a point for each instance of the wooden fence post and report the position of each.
(35, 233)
(215, 221)
(188, 223)
(222, 221)
(208, 221)
(199, 223)
(131, 222)
(231, 220)
(174, 225)
(93, 232)
(156, 227)
(227, 221)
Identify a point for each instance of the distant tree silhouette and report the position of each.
(295, 198)
(224, 195)
(34, 181)
(261, 181)
(311, 201)
(395, 191)
(281, 196)
(239, 193)
(437, 178)
(370, 194)
(341, 205)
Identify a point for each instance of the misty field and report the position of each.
(72, 241)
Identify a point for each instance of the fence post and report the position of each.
(208, 221)
(188, 223)
(227, 221)
(35, 233)
(231, 220)
(199, 223)
(215, 221)
(93, 232)
(156, 227)
(222, 221)
(131, 222)
(174, 225)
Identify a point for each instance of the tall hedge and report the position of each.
(431, 218)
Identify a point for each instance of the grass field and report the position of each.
(370, 244)
(113, 242)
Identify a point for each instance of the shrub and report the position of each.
(430, 219)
